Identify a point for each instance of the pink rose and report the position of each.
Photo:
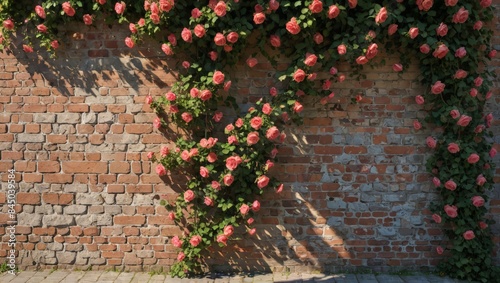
(215, 185)
(473, 158)
(352, 3)
(436, 218)
(218, 116)
(185, 156)
(473, 92)
(186, 64)
(220, 40)
(425, 5)
(193, 151)
(251, 62)
(129, 42)
(54, 44)
(469, 235)
(431, 142)
(256, 122)
(310, 60)
(292, 26)
(172, 39)
(485, 3)
(483, 225)
(252, 231)
(181, 256)
(341, 49)
(252, 138)
(204, 172)
(187, 117)
(164, 151)
(227, 85)
(480, 180)
(371, 51)
(440, 51)
(437, 87)
(218, 77)
(170, 96)
(492, 54)
(492, 152)
(316, 6)
(166, 5)
(397, 67)
(250, 221)
(274, 152)
(186, 35)
(171, 216)
(453, 148)
(195, 13)
(212, 157)
(205, 95)
(267, 109)
(256, 206)
(157, 123)
(450, 3)
(333, 11)
(424, 48)
(450, 185)
(160, 170)
(269, 165)
(40, 11)
(262, 181)
(442, 29)
(478, 25)
(413, 32)
(299, 75)
(189, 195)
(464, 121)
(155, 18)
(167, 49)
(259, 18)
(392, 29)
(451, 210)
(439, 250)
(131, 26)
(297, 107)
(460, 74)
(222, 239)
(220, 9)
(318, 38)
(228, 179)
(153, 7)
(258, 8)
(478, 81)
(416, 125)
(419, 99)
(68, 9)
(199, 31)
(461, 52)
(326, 85)
(238, 123)
(436, 182)
(195, 240)
(279, 189)
(361, 60)
(176, 242)
(120, 7)
(228, 230)
(232, 162)
(275, 41)
(41, 28)
(232, 37)
(244, 209)
(208, 201)
(273, 91)
(8, 24)
(454, 114)
(489, 119)
(460, 16)
(381, 16)
(477, 201)
(272, 133)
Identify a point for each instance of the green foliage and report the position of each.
(228, 173)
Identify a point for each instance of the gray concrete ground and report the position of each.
(66, 276)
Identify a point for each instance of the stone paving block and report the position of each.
(384, 278)
(236, 279)
(415, 279)
(108, 276)
(74, 276)
(56, 276)
(263, 278)
(91, 276)
(345, 278)
(326, 279)
(140, 278)
(366, 278)
(6, 277)
(125, 277)
(29, 276)
(19, 278)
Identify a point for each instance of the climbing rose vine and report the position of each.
(228, 164)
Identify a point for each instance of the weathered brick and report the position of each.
(129, 220)
(84, 167)
(30, 138)
(28, 198)
(48, 166)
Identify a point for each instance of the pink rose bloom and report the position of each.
(479, 129)
(259, 18)
(167, 49)
(316, 6)
(204, 172)
(228, 179)
(185, 156)
(413, 32)
(131, 26)
(176, 242)
(160, 170)
(269, 165)
(68, 9)
(292, 26)
(208, 201)
(272, 133)
(454, 114)
(171, 216)
(451, 210)
(440, 51)
(424, 48)
(492, 54)
(483, 225)
(267, 109)
(222, 239)
(41, 28)
(186, 35)
(129, 42)
(274, 5)
(450, 3)
(199, 31)
(228, 230)
(371, 51)
(318, 38)
(275, 41)
(186, 64)
(493, 152)
(212, 157)
(256, 122)
(381, 16)
(220, 9)
(397, 67)
(40, 11)
(251, 62)
(361, 60)
(442, 29)
(326, 85)
(164, 151)
(229, 128)
(431, 142)
(8, 24)
(181, 256)
(256, 206)
(238, 123)
(157, 123)
(425, 5)
(460, 74)
(299, 75)
(333, 11)
(189, 195)
(461, 52)
(154, 8)
(205, 95)
(310, 60)
(460, 16)
(215, 185)
(195, 240)
(279, 189)
(489, 119)
(341, 49)
(172, 39)
(250, 221)
(258, 8)
(170, 96)
(333, 71)
(120, 7)
(392, 29)
(193, 151)
(220, 40)
(469, 235)
(453, 148)
(297, 107)
(419, 99)
(232, 162)
(54, 44)
(262, 181)
(232, 37)
(489, 94)
(439, 250)
(352, 3)
(436, 218)
(252, 231)
(436, 182)
(478, 81)
(464, 121)
(227, 85)
(416, 125)
(473, 158)
(166, 5)
(195, 13)
(218, 77)
(274, 152)
(485, 3)
(155, 18)
(252, 138)
(478, 25)
(187, 117)
(480, 180)
(273, 91)
(477, 201)
(450, 185)
(437, 87)
(244, 209)
(473, 92)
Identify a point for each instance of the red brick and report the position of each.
(119, 167)
(58, 178)
(56, 138)
(399, 149)
(139, 128)
(115, 189)
(48, 166)
(78, 108)
(84, 167)
(28, 198)
(129, 220)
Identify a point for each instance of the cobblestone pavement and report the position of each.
(66, 276)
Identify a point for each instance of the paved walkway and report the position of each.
(65, 276)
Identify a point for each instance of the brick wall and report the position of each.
(77, 133)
